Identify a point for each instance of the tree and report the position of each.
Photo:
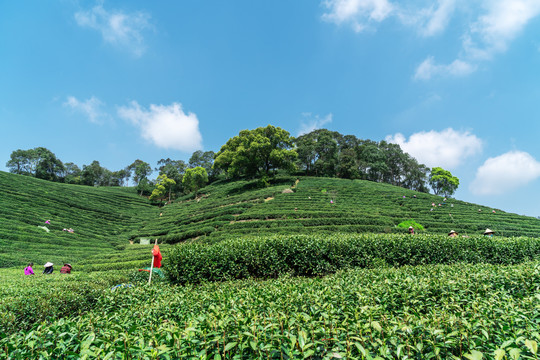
(256, 152)
(318, 152)
(19, 163)
(173, 169)
(141, 170)
(38, 162)
(195, 178)
(48, 166)
(442, 181)
(163, 185)
(91, 174)
(72, 173)
(204, 160)
(120, 176)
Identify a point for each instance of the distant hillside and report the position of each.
(313, 204)
(105, 219)
(101, 219)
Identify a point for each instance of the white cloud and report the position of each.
(447, 148)
(165, 126)
(428, 69)
(360, 13)
(438, 19)
(116, 27)
(493, 25)
(90, 107)
(311, 123)
(501, 23)
(428, 21)
(504, 173)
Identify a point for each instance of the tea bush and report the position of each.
(316, 255)
(460, 311)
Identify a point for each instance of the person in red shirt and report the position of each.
(66, 269)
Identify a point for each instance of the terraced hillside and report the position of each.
(233, 209)
(101, 219)
(105, 219)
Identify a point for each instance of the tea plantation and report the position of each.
(301, 268)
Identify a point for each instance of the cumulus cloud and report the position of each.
(501, 23)
(359, 13)
(504, 173)
(493, 25)
(310, 123)
(447, 148)
(165, 126)
(116, 27)
(91, 108)
(428, 69)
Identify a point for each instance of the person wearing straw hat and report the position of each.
(48, 268)
(452, 233)
(66, 269)
(411, 230)
(489, 233)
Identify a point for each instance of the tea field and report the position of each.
(300, 268)
(34, 214)
(464, 311)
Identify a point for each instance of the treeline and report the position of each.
(43, 164)
(331, 154)
(262, 151)
(254, 153)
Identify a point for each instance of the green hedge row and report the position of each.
(315, 255)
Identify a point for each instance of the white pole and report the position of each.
(151, 266)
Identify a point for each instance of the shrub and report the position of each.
(316, 255)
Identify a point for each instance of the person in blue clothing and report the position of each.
(489, 233)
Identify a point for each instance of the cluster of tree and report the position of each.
(43, 164)
(262, 151)
(253, 153)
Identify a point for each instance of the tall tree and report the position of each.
(442, 182)
(141, 170)
(72, 173)
(38, 162)
(163, 186)
(91, 174)
(19, 162)
(203, 159)
(195, 178)
(48, 166)
(173, 169)
(257, 152)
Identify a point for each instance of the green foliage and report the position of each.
(316, 255)
(257, 152)
(194, 179)
(38, 162)
(101, 218)
(442, 181)
(163, 187)
(425, 312)
(407, 223)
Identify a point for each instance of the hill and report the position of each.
(106, 219)
(309, 204)
(101, 219)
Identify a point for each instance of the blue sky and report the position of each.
(455, 83)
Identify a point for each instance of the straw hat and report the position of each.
(452, 232)
(488, 231)
(48, 264)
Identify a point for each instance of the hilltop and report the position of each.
(106, 219)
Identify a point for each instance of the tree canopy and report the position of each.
(195, 178)
(257, 152)
(442, 182)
